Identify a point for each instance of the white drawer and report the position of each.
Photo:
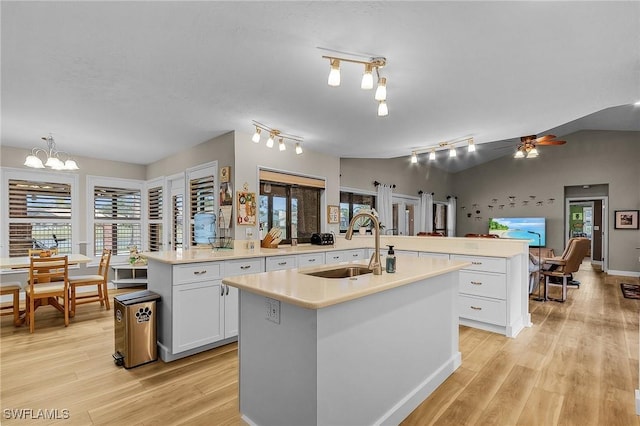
(278, 263)
(243, 266)
(481, 263)
(345, 255)
(483, 284)
(310, 259)
(196, 272)
(435, 255)
(491, 311)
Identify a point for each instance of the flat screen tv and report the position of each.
(525, 228)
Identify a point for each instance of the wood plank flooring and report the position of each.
(578, 364)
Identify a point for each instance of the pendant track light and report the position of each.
(370, 65)
(450, 146)
(276, 134)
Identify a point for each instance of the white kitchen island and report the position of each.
(345, 351)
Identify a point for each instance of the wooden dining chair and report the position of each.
(12, 289)
(99, 280)
(48, 283)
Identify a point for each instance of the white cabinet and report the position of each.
(230, 294)
(338, 256)
(198, 306)
(485, 299)
(278, 263)
(310, 259)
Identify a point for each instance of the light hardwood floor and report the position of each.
(578, 364)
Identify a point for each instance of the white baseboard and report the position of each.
(638, 402)
(623, 273)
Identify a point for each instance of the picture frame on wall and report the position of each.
(626, 219)
(246, 208)
(333, 214)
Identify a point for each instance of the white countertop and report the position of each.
(292, 286)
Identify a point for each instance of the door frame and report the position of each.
(604, 225)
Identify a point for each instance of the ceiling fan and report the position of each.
(527, 147)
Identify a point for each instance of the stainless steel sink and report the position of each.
(341, 272)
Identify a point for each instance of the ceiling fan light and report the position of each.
(533, 153)
(367, 78)
(34, 162)
(381, 90)
(414, 158)
(518, 154)
(383, 109)
(256, 136)
(432, 155)
(334, 74)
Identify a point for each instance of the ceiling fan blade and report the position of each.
(545, 138)
(552, 143)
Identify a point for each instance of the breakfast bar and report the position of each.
(318, 348)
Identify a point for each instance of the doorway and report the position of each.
(587, 217)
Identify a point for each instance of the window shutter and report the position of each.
(155, 203)
(117, 213)
(202, 194)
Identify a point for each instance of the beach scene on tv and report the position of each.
(524, 228)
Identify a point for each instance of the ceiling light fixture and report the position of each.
(52, 157)
(450, 146)
(527, 149)
(334, 74)
(414, 157)
(370, 65)
(275, 133)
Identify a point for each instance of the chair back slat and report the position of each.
(103, 267)
(47, 269)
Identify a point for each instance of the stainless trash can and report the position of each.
(135, 328)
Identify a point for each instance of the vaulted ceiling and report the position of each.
(139, 81)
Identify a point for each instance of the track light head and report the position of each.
(472, 146)
(256, 136)
(414, 158)
(298, 148)
(334, 74)
(452, 152)
(432, 154)
(281, 145)
(270, 140)
(383, 109)
(367, 77)
(381, 90)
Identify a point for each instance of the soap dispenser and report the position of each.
(391, 260)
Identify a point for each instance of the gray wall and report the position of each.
(409, 178)
(588, 158)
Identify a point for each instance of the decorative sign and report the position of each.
(225, 173)
(333, 214)
(246, 208)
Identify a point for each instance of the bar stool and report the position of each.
(13, 289)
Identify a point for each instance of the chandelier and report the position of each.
(52, 157)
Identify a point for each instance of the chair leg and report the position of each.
(66, 308)
(32, 316)
(16, 308)
(105, 295)
(100, 294)
(73, 300)
(564, 288)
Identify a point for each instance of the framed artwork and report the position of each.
(246, 208)
(333, 214)
(626, 219)
(225, 173)
(577, 216)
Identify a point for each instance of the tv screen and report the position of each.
(525, 228)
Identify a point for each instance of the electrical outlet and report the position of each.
(273, 310)
(249, 233)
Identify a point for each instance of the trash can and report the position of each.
(135, 328)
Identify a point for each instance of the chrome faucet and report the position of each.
(374, 263)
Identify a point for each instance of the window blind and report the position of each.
(154, 216)
(117, 213)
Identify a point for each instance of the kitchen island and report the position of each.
(358, 350)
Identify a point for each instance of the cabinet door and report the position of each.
(198, 315)
(231, 311)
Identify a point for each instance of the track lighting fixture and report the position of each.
(334, 74)
(370, 65)
(275, 133)
(450, 146)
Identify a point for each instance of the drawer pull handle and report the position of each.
(311, 260)
(476, 282)
(355, 255)
(227, 293)
(222, 290)
(476, 263)
(336, 257)
(199, 272)
(475, 308)
(245, 267)
(282, 263)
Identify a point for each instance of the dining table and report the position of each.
(13, 264)
(23, 262)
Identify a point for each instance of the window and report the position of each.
(176, 221)
(202, 203)
(155, 205)
(291, 203)
(117, 215)
(350, 204)
(40, 214)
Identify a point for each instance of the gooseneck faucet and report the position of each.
(374, 263)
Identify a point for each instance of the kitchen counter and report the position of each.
(296, 287)
(361, 350)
